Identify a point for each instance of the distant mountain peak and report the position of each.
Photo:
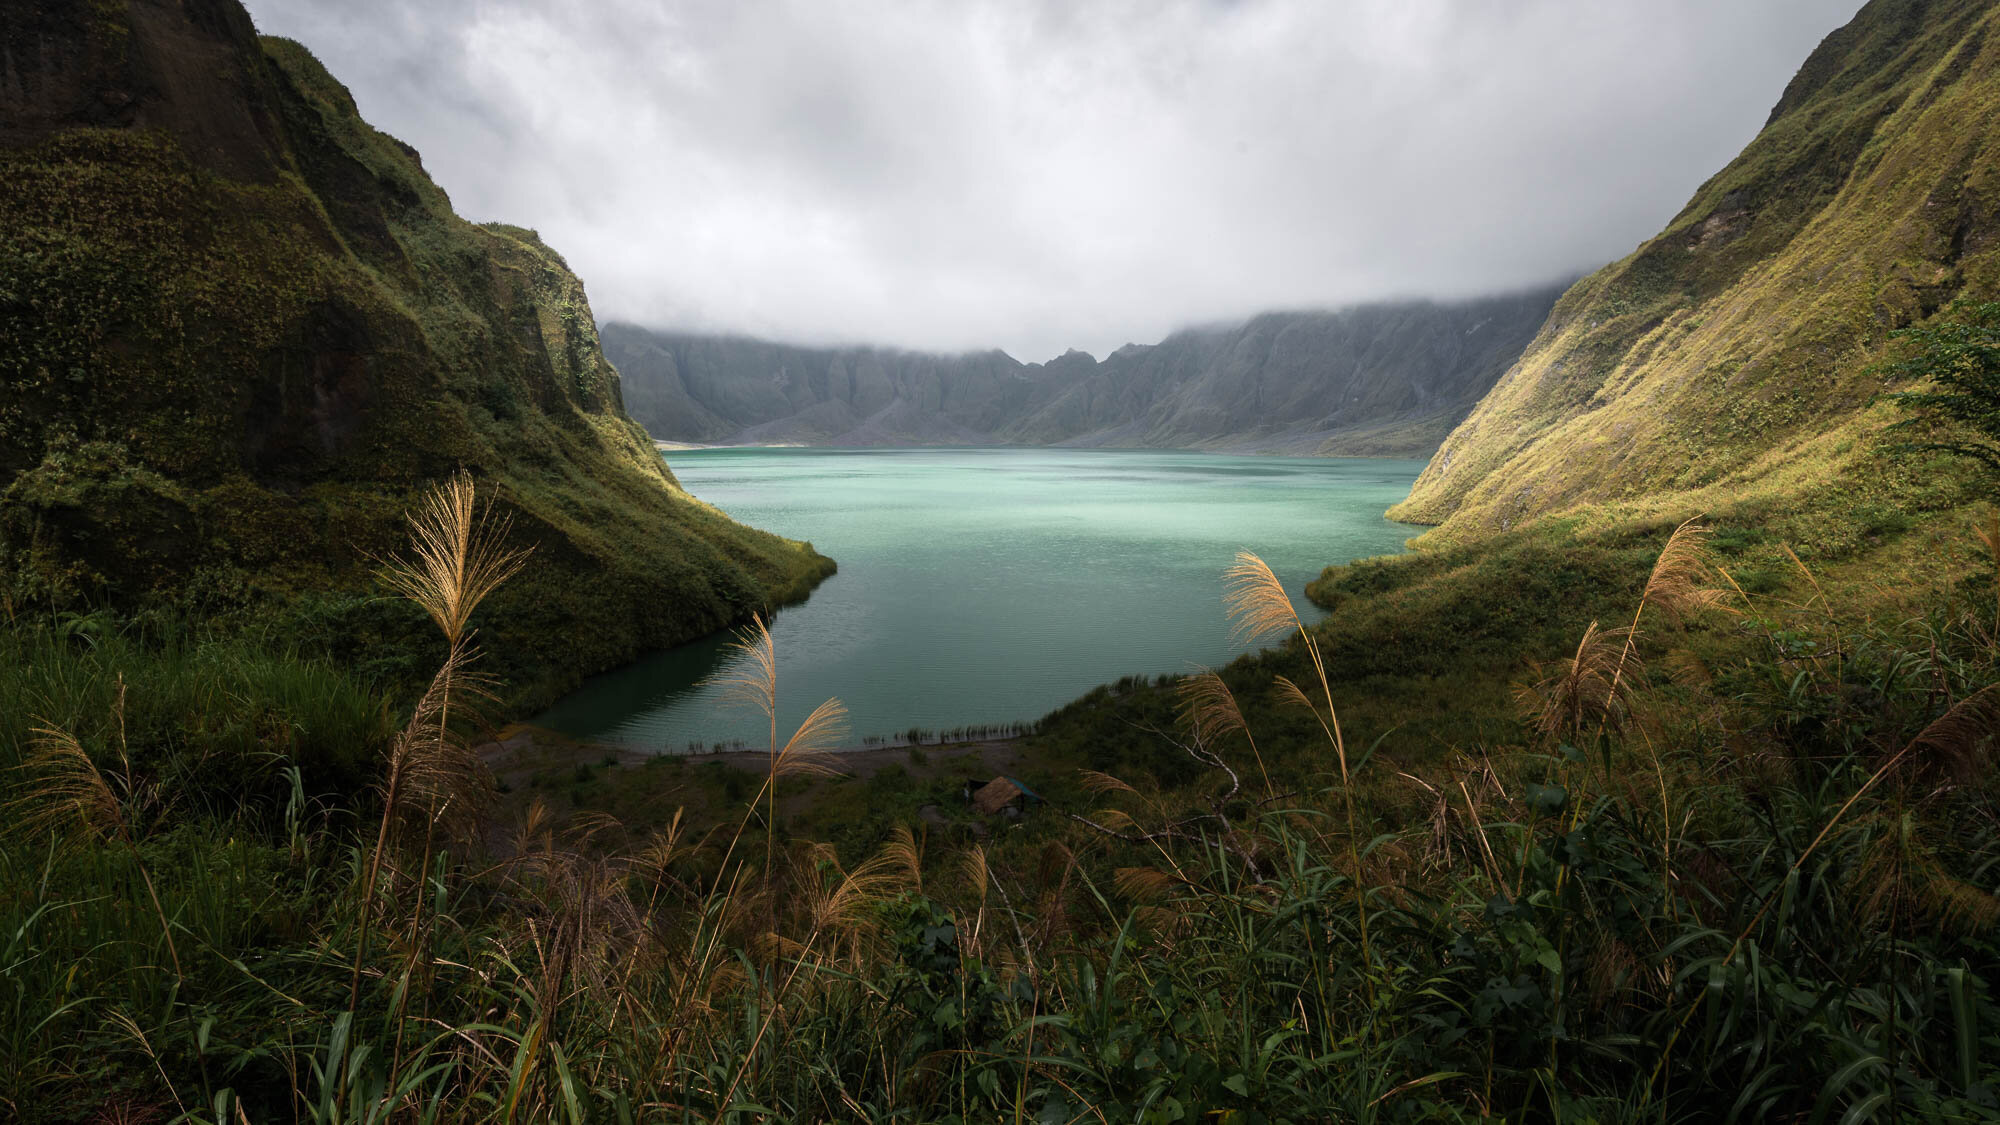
(1377, 380)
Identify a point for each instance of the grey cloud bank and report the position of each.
(950, 176)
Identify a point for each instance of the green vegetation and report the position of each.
(240, 339)
(1728, 857)
(1737, 352)
(1589, 811)
(1956, 366)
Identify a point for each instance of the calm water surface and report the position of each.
(986, 586)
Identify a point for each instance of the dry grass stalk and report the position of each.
(1118, 820)
(1050, 920)
(842, 908)
(1290, 692)
(433, 773)
(69, 797)
(808, 752)
(1678, 585)
(1148, 885)
(1575, 694)
(1900, 875)
(457, 558)
(1256, 601)
(1209, 710)
(751, 681)
(1680, 582)
(1582, 690)
(1961, 740)
(68, 793)
(583, 922)
(840, 911)
(972, 866)
(1260, 608)
(1098, 782)
(662, 852)
(536, 829)
(130, 1027)
(903, 849)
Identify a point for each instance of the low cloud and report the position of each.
(1032, 176)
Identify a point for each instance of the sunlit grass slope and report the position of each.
(241, 327)
(1730, 356)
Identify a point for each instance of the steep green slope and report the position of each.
(1730, 355)
(240, 328)
(1387, 379)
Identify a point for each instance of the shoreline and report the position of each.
(664, 446)
(523, 747)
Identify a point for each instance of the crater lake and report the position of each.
(986, 587)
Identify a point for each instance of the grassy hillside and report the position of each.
(1583, 815)
(240, 327)
(1731, 355)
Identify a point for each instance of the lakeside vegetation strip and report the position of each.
(1562, 916)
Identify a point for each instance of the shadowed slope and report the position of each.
(240, 328)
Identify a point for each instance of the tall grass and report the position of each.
(752, 681)
(1761, 887)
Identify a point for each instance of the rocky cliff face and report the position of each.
(1732, 355)
(1379, 380)
(240, 329)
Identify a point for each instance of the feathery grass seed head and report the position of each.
(458, 555)
(1256, 601)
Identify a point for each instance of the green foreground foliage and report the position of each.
(1750, 885)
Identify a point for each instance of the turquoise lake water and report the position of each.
(990, 586)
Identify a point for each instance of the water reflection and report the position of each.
(661, 683)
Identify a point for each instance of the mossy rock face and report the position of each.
(1734, 353)
(240, 330)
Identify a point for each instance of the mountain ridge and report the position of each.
(1387, 379)
(242, 330)
(1734, 354)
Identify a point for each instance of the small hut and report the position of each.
(996, 795)
(1003, 795)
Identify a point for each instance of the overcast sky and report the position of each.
(1037, 176)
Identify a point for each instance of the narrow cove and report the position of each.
(985, 587)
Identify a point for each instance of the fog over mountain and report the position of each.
(1376, 380)
(1037, 176)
